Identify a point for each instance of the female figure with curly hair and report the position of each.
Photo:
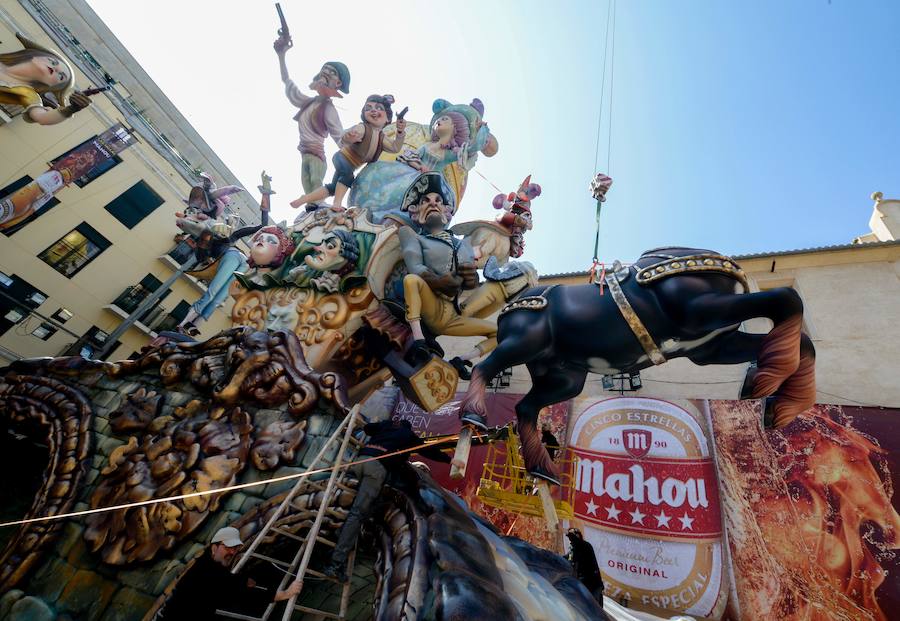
(269, 248)
(449, 143)
(27, 74)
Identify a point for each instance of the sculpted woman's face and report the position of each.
(264, 249)
(443, 126)
(48, 70)
(327, 256)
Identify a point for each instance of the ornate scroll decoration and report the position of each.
(196, 449)
(434, 384)
(322, 321)
(250, 309)
(64, 416)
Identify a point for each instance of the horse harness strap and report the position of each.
(706, 262)
(634, 322)
(529, 302)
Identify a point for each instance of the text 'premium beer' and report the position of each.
(647, 496)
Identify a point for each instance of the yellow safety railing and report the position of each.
(506, 484)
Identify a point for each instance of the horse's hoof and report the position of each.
(749, 380)
(461, 367)
(474, 420)
(540, 473)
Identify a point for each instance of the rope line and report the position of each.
(612, 81)
(489, 181)
(602, 88)
(611, 7)
(229, 488)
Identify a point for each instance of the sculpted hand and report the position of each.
(463, 156)
(401, 126)
(448, 284)
(77, 101)
(282, 45)
(353, 135)
(469, 275)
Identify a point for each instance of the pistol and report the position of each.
(402, 113)
(283, 32)
(96, 90)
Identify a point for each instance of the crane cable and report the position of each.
(597, 265)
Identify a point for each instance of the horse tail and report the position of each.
(798, 392)
(779, 356)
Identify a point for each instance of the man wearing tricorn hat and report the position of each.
(317, 117)
(439, 267)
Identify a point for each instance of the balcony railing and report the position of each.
(131, 298)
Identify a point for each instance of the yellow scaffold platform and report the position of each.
(506, 484)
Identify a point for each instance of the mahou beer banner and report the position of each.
(646, 498)
(25, 201)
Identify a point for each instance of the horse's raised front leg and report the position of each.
(551, 386)
(522, 338)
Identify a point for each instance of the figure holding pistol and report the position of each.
(360, 145)
(317, 116)
(27, 76)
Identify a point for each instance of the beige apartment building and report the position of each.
(71, 273)
(851, 295)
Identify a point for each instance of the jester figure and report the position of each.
(516, 216)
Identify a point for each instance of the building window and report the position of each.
(130, 299)
(62, 315)
(44, 331)
(94, 172)
(135, 204)
(39, 208)
(91, 342)
(17, 299)
(181, 310)
(76, 249)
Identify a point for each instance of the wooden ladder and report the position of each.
(298, 568)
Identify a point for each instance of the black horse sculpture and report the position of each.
(674, 302)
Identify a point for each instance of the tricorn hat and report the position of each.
(427, 183)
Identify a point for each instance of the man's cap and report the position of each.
(343, 74)
(228, 536)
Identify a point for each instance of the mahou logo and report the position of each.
(646, 493)
(637, 441)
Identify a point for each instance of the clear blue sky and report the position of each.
(738, 126)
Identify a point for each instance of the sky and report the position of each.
(740, 127)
